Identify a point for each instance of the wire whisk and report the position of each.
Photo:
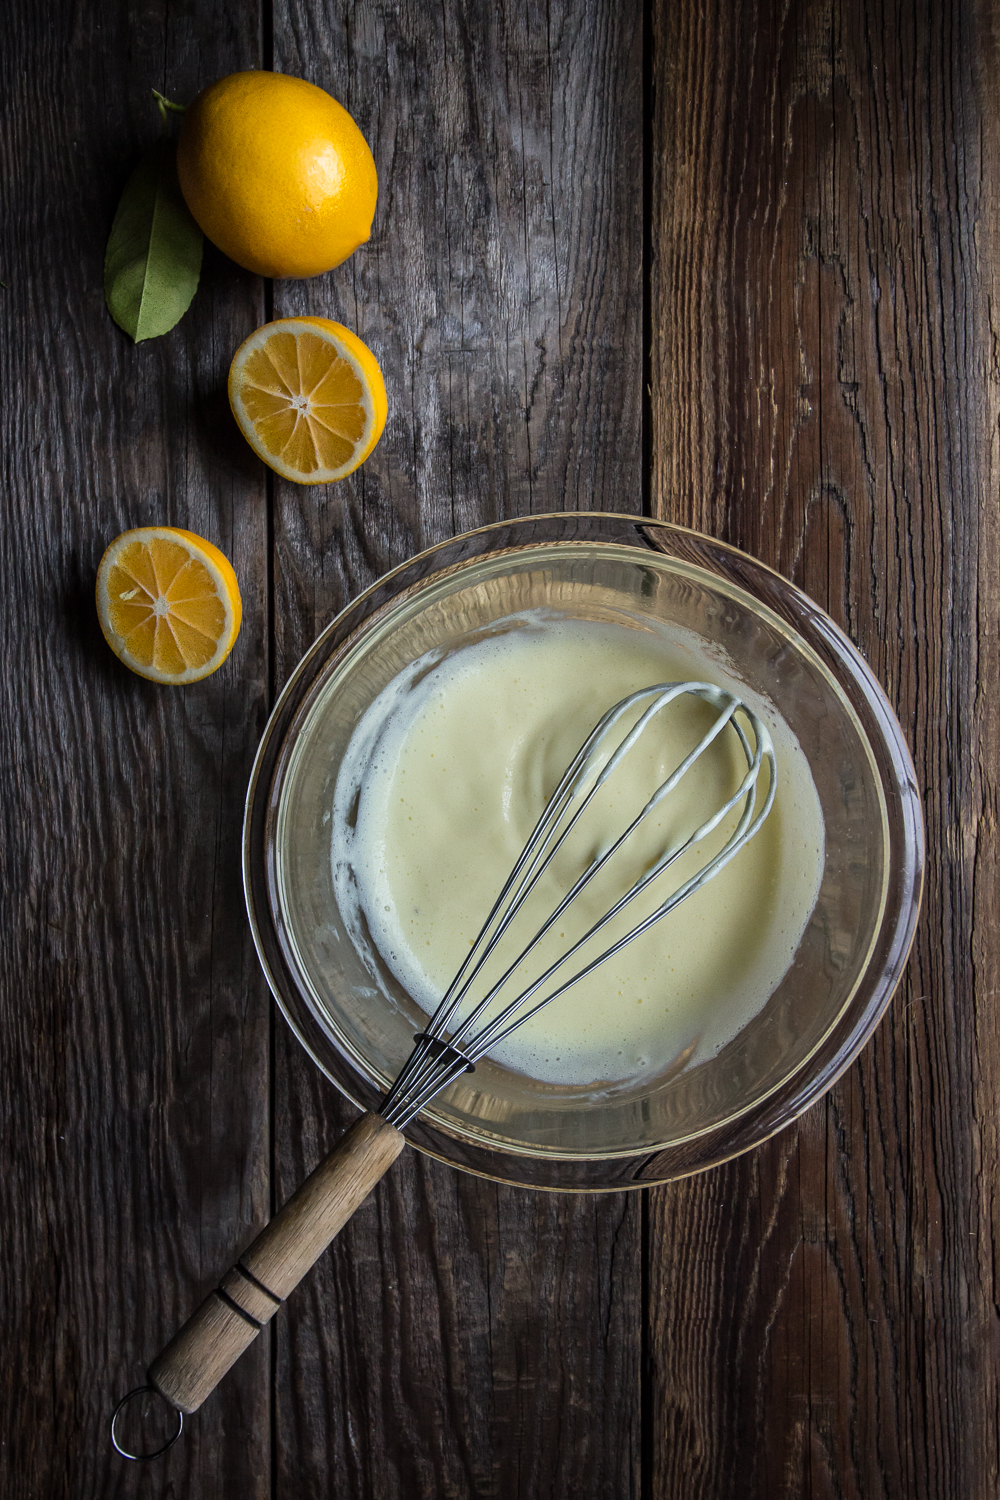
(245, 1300)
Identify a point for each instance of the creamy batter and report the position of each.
(447, 774)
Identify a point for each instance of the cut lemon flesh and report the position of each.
(168, 603)
(309, 398)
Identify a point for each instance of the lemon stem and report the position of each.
(163, 105)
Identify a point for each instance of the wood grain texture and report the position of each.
(462, 1338)
(133, 1019)
(820, 1318)
(825, 394)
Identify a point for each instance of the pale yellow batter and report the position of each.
(446, 776)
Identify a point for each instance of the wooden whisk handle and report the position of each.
(249, 1295)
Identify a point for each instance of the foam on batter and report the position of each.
(447, 774)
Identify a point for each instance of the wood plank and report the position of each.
(463, 1338)
(133, 1019)
(825, 394)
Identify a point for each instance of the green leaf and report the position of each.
(153, 258)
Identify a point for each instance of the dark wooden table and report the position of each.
(734, 264)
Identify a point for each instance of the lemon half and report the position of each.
(309, 398)
(169, 603)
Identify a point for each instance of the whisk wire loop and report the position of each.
(493, 1034)
(602, 859)
(440, 1057)
(538, 858)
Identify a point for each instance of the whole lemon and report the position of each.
(277, 174)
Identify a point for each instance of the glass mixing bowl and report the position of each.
(358, 1023)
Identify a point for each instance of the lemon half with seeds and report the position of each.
(169, 603)
(309, 398)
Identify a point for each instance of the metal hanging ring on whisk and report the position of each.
(251, 1291)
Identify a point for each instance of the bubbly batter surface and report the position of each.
(447, 774)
